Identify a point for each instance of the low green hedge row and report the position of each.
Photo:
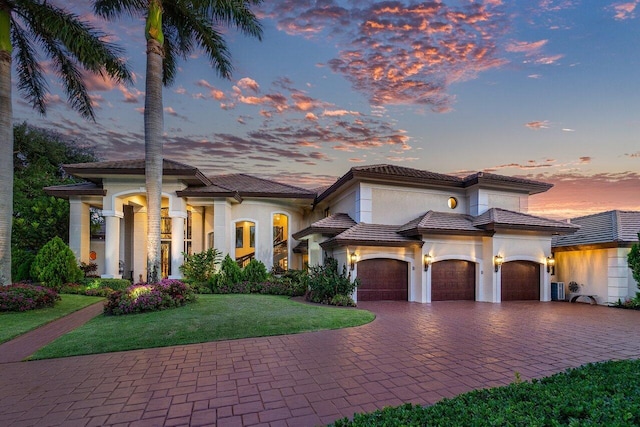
(602, 394)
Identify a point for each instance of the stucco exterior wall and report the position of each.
(588, 268)
(398, 205)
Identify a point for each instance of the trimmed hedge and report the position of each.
(23, 297)
(602, 394)
(149, 297)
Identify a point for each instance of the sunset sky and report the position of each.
(547, 90)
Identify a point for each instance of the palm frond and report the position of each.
(111, 9)
(31, 81)
(233, 12)
(192, 28)
(70, 43)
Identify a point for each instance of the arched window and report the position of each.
(280, 243)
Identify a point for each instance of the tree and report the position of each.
(633, 258)
(27, 28)
(175, 28)
(38, 157)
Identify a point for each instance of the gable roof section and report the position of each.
(332, 225)
(496, 219)
(605, 229)
(441, 223)
(95, 171)
(416, 177)
(247, 186)
(371, 235)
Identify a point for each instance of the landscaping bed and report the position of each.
(603, 394)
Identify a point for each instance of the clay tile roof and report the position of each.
(485, 178)
(371, 235)
(496, 218)
(94, 170)
(440, 223)
(619, 227)
(79, 189)
(404, 172)
(331, 225)
(250, 185)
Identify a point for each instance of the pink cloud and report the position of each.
(624, 11)
(248, 84)
(537, 125)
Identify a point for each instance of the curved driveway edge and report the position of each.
(412, 352)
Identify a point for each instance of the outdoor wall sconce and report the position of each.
(497, 262)
(353, 257)
(551, 263)
(427, 261)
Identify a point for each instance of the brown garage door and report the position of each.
(520, 281)
(453, 280)
(383, 279)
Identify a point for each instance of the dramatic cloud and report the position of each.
(397, 52)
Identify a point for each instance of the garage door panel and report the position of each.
(453, 280)
(520, 281)
(383, 279)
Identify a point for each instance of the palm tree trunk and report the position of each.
(153, 130)
(6, 150)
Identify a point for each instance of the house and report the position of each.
(405, 233)
(595, 256)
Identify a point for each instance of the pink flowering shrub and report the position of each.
(144, 297)
(23, 297)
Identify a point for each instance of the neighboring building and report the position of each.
(405, 233)
(596, 255)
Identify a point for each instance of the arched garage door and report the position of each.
(453, 280)
(383, 279)
(520, 281)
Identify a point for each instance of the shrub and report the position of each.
(230, 273)
(55, 265)
(633, 259)
(325, 282)
(255, 272)
(89, 269)
(144, 297)
(21, 261)
(98, 282)
(602, 394)
(342, 301)
(202, 266)
(23, 297)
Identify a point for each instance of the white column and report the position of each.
(197, 229)
(79, 229)
(178, 214)
(112, 244)
(221, 226)
(139, 244)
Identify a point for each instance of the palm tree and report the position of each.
(175, 28)
(26, 28)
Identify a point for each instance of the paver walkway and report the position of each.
(25, 345)
(410, 353)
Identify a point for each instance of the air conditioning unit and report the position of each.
(557, 291)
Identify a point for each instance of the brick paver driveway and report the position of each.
(410, 353)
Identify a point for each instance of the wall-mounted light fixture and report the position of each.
(427, 261)
(551, 264)
(497, 262)
(353, 257)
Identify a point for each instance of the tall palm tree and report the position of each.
(27, 28)
(175, 28)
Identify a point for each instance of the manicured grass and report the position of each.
(602, 394)
(211, 318)
(13, 324)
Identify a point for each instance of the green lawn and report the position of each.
(13, 324)
(211, 318)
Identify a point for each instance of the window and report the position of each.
(239, 237)
(252, 236)
(452, 202)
